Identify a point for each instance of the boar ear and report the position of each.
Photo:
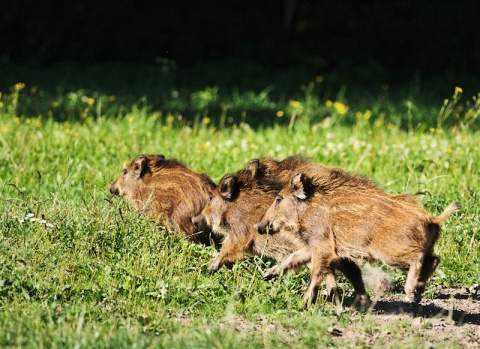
(300, 184)
(139, 165)
(158, 158)
(228, 187)
(253, 167)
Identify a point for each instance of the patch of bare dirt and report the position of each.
(451, 316)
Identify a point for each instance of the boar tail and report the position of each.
(453, 207)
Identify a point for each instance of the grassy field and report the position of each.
(81, 269)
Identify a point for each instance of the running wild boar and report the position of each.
(239, 201)
(166, 190)
(343, 216)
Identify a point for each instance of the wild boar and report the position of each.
(167, 190)
(237, 203)
(339, 215)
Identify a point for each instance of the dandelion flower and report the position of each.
(206, 121)
(19, 86)
(280, 113)
(294, 104)
(340, 107)
(458, 90)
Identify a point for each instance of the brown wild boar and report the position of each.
(237, 203)
(168, 191)
(343, 216)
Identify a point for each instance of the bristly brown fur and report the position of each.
(341, 216)
(168, 190)
(238, 202)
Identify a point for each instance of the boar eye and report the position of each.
(125, 172)
(211, 197)
(278, 200)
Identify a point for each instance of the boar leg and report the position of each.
(414, 275)
(320, 269)
(295, 260)
(430, 263)
(230, 252)
(353, 273)
(300, 258)
(331, 284)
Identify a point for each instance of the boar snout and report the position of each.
(199, 222)
(114, 189)
(263, 227)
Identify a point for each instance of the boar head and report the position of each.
(285, 212)
(131, 181)
(214, 214)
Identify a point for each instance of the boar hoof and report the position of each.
(310, 298)
(363, 301)
(229, 265)
(271, 273)
(213, 269)
(413, 297)
(214, 266)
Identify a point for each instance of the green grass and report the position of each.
(104, 276)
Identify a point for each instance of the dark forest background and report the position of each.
(138, 48)
(428, 36)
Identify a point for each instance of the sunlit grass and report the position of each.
(89, 271)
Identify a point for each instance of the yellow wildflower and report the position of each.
(19, 86)
(206, 121)
(329, 103)
(340, 107)
(294, 104)
(458, 90)
(280, 113)
(90, 101)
